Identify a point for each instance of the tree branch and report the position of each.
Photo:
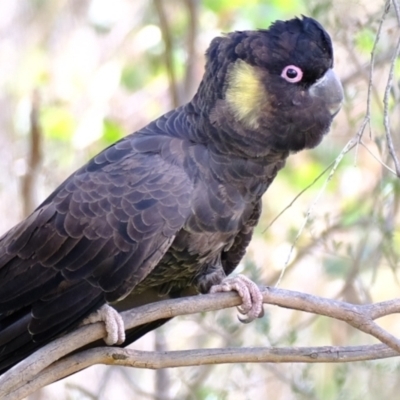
(186, 358)
(168, 53)
(43, 367)
(34, 158)
(386, 118)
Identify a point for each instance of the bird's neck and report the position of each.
(231, 155)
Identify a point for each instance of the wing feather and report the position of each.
(94, 239)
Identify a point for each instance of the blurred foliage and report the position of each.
(365, 39)
(57, 123)
(100, 70)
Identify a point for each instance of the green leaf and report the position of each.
(112, 131)
(57, 122)
(364, 40)
(336, 267)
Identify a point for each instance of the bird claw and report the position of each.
(252, 299)
(114, 324)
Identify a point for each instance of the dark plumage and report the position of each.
(171, 207)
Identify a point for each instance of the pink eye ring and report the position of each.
(292, 74)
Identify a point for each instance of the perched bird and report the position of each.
(171, 207)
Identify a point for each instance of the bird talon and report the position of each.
(242, 311)
(250, 294)
(114, 324)
(245, 320)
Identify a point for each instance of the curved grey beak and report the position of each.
(329, 90)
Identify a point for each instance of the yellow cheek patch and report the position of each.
(245, 93)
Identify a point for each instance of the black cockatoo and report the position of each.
(172, 206)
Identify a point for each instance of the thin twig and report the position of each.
(386, 118)
(380, 60)
(298, 195)
(367, 117)
(396, 6)
(377, 159)
(338, 159)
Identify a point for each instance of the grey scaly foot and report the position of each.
(252, 299)
(113, 323)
